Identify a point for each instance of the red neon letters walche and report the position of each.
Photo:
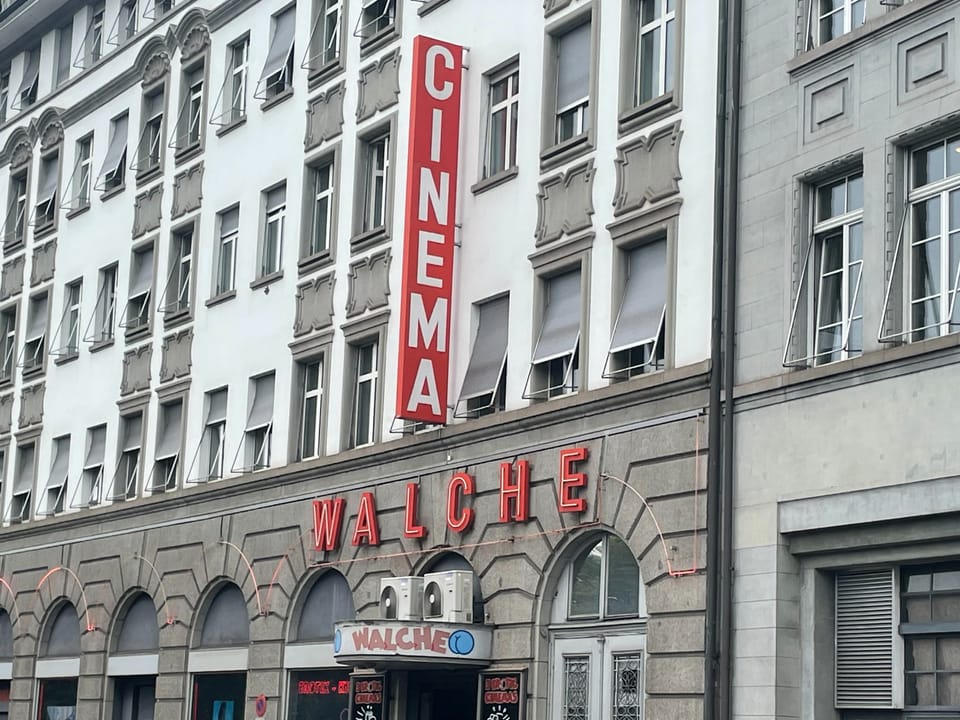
(427, 271)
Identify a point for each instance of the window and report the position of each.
(656, 51)
(91, 482)
(504, 99)
(190, 121)
(638, 339)
(573, 83)
(16, 224)
(35, 341)
(47, 191)
(70, 323)
(363, 422)
(234, 90)
(177, 293)
(64, 54)
(127, 20)
(325, 36)
(590, 679)
(229, 222)
(311, 408)
(141, 288)
(215, 432)
(82, 173)
(151, 136)
(320, 208)
(277, 76)
(57, 483)
(20, 501)
(161, 8)
(833, 18)
(375, 154)
(555, 367)
(4, 94)
(934, 257)
(377, 18)
(258, 435)
(126, 482)
(104, 316)
(484, 386)
(8, 342)
(94, 48)
(166, 469)
(113, 172)
(271, 248)
(30, 82)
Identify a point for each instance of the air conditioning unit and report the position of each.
(448, 596)
(401, 598)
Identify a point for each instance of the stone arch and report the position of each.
(153, 61)
(49, 128)
(192, 35)
(133, 607)
(219, 604)
(312, 596)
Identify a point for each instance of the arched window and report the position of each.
(218, 662)
(134, 662)
(598, 594)
(58, 664)
(328, 602)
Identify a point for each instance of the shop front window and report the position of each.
(219, 696)
(57, 699)
(317, 694)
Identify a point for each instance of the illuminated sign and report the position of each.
(427, 271)
(321, 693)
(399, 640)
(514, 503)
(502, 695)
(368, 697)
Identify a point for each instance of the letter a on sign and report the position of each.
(431, 202)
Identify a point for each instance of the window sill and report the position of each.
(101, 345)
(147, 175)
(74, 212)
(11, 246)
(111, 192)
(494, 180)
(188, 153)
(430, 6)
(6, 382)
(890, 19)
(175, 319)
(221, 131)
(276, 99)
(64, 359)
(381, 39)
(135, 334)
(566, 151)
(329, 70)
(221, 298)
(648, 112)
(42, 231)
(266, 280)
(313, 263)
(369, 238)
(34, 372)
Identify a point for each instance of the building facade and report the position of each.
(211, 296)
(846, 458)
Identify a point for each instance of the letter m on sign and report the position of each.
(429, 224)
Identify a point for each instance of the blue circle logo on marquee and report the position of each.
(337, 641)
(461, 642)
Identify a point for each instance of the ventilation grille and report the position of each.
(865, 639)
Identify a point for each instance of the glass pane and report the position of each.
(514, 116)
(831, 200)
(953, 157)
(928, 165)
(926, 270)
(321, 213)
(855, 236)
(585, 585)
(946, 580)
(918, 653)
(948, 689)
(916, 580)
(855, 337)
(832, 255)
(312, 376)
(926, 318)
(627, 686)
(948, 654)
(498, 92)
(927, 219)
(649, 11)
(829, 6)
(649, 70)
(946, 608)
(855, 193)
(498, 138)
(831, 26)
(858, 9)
(576, 678)
(309, 426)
(365, 359)
(623, 579)
(925, 693)
(364, 390)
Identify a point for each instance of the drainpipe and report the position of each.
(716, 701)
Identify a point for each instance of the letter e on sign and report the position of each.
(426, 271)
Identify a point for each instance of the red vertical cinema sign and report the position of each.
(427, 272)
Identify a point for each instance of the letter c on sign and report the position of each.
(441, 93)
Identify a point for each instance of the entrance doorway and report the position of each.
(442, 695)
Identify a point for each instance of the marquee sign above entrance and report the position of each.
(392, 642)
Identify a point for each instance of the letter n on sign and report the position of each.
(427, 268)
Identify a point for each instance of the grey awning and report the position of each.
(644, 297)
(281, 44)
(64, 51)
(261, 409)
(573, 66)
(61, 460)
(217, 410)
(23, 483)
(37, 322)
(97, 440)
(142, 279)
(489, 350)
(31, 71)
(561, 318)
(132, 432)
(117, 147)
(49, 174)
(168, 444)
(229, 222)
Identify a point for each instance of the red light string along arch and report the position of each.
(13, 595)
(253, 577)
(163, 591)
(86, 608)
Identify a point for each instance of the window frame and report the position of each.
(320, 64)
(170, 466)
(150, 148)
(34, 360)
(111, 182)
(105, 311)
(365, 235)
(311, 258)
(272, 216)
(50, 162)
(26, 509)
(129, 461)
(18, 203)
(508, 73)
(9, 316)
(70, 323)
(189, 134)
(180, 272)
(223, 239)
(83, 174)
(141, 329)
(368, 330)
(304, 395)
(381, 36)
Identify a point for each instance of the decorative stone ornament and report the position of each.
(195, 43)
(156, 68)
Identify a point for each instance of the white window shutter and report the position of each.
(866, 631)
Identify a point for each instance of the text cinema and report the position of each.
(514, 503)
